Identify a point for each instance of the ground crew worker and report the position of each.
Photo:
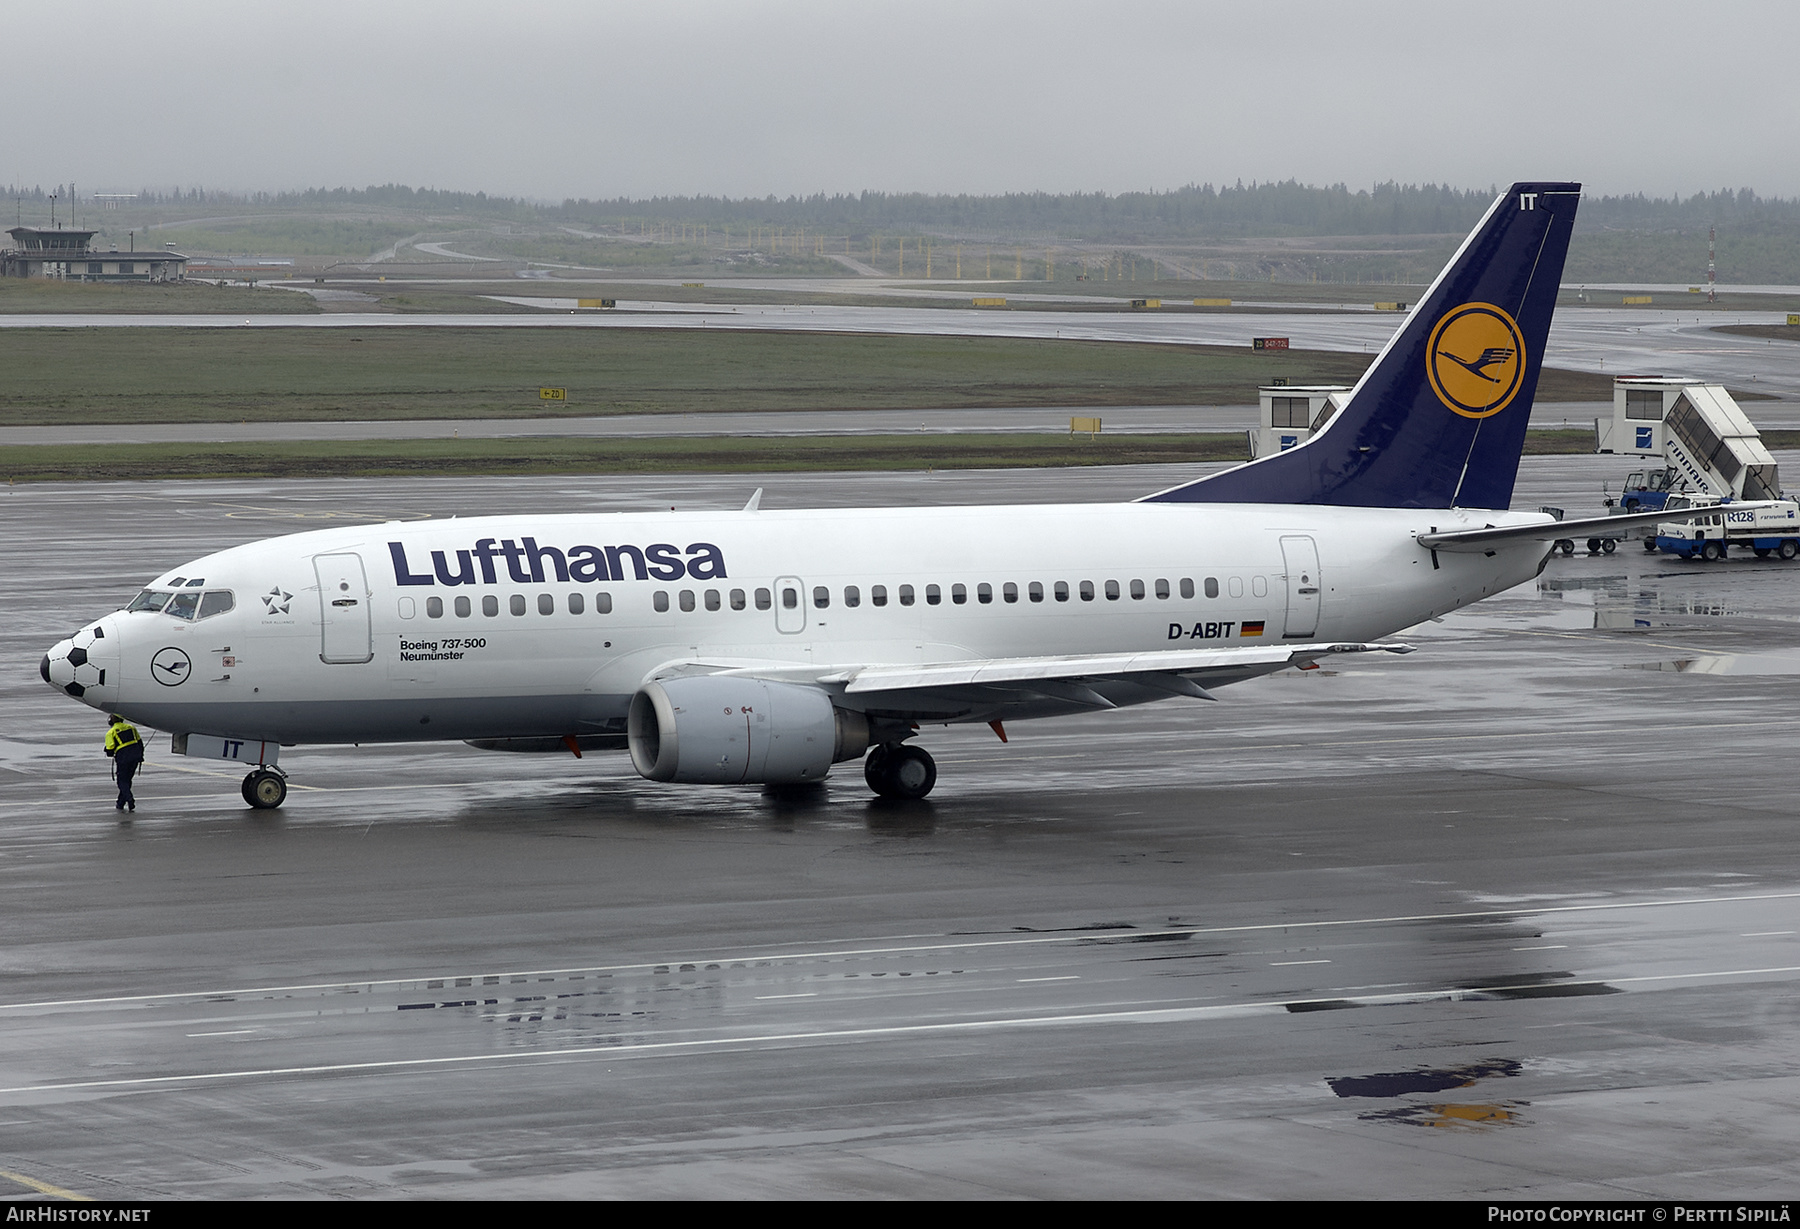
(126, 748)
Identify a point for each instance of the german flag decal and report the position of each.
(1253, 629)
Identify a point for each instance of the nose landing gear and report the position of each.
(900, 771)
(265, 789)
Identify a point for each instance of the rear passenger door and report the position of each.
(1303, 588)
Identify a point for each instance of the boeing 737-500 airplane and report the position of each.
(765, 646)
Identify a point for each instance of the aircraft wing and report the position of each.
(1018, 687)
(1551, 531)
(1179, 663)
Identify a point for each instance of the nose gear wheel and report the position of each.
(265, 789)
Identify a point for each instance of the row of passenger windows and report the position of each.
(490, 605)
(853, 596)
(577, 603)
(1009, 592)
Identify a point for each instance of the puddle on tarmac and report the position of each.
(1441, 1079)
(1726, 663)
(1578, 589)
(1617, 604)
(1552, 617)
(1514, 986)
(1442, 1115)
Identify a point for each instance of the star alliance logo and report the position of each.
(276, 602)
(1476, 360)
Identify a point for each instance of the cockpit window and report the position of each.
(215, 601)
(184, 605)
(149, 599)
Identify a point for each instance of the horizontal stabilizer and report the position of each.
(1550, 531)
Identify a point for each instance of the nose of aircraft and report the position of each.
(86, 665)
(59, 650)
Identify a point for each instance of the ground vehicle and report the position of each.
(1643, 491)
(1647, 490)
(1601, 540)
(1767, 529)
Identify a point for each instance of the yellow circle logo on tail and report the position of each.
(1476, 360)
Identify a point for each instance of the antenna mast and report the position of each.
(1712, 276)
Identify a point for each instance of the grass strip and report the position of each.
(141, 375)
(1768, 332)
(57, 296)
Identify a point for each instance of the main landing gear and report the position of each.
(899, 771)
(265, 789)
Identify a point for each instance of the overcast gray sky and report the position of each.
(556, 98)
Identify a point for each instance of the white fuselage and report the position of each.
(323, 642)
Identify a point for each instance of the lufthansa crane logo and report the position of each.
(1476, 360)
(170, 667)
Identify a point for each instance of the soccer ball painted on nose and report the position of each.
(68, 667)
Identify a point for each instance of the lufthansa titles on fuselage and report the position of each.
(529, 563)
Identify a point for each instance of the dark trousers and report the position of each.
(127, 766)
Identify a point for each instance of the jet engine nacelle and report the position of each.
(715, 729)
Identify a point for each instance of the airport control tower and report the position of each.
(68, 254)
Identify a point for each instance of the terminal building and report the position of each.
(69, 255)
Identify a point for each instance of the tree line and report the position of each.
(1193, 212)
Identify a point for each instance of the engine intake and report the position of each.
(719, 730)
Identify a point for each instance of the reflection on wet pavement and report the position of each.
(1453, 1117)
(1727, 663)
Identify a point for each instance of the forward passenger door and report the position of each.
(345, 630)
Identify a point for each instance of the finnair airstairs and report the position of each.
(1697, 430)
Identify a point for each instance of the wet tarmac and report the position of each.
(1613, 341)
(1515, 916)
(1116, 419)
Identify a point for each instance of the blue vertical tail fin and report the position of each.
(1439, 418)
